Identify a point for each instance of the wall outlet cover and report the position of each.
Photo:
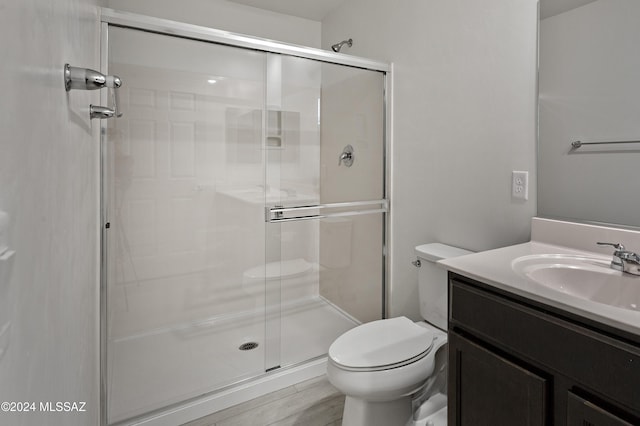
(520, 185)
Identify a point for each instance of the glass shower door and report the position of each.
(184, 195)
(325, 212)
(244, 199)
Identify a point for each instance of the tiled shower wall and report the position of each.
(187, 183)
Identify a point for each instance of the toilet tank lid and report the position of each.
(438, 251)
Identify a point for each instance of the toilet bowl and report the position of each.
(383, 365)
(380, 365)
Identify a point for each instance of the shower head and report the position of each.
(336, 47)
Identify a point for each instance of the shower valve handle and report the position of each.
(346, 156)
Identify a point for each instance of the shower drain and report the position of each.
(248, 346)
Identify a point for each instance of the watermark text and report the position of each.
(48, 406)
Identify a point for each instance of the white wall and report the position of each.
(228, 16)
(49, 187)
(463, 119)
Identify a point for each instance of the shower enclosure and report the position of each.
(241, 234)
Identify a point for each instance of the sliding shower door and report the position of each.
(244, 213)
(326, 209)
(185, 183)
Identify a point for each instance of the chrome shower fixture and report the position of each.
(88, 79)
(336, 47)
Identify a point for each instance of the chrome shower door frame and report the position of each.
(110, 17)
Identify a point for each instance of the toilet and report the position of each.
(387, 368)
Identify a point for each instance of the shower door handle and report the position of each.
(355, 208)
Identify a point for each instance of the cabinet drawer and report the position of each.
(598, 362)
(581, 412)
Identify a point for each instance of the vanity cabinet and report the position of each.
(513, 361)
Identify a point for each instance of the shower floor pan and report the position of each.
(152, 371)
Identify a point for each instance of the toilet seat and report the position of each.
(381, 345)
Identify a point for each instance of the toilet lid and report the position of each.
(381, 343)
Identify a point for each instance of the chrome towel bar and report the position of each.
(578, 144)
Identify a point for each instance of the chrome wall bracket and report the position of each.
(88, 79)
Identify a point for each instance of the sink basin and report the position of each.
(585, 277)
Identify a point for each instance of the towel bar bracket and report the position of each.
(88, 79)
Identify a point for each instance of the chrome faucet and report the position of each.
(624, 260)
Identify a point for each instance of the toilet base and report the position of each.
(358, 412)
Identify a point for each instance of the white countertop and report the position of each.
(493, 267)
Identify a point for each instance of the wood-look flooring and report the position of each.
(314, 402)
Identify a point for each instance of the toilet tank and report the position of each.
(432, 281)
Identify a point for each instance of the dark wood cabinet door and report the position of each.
(488, 390)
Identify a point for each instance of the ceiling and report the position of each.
(315, 10)
(555, 7)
